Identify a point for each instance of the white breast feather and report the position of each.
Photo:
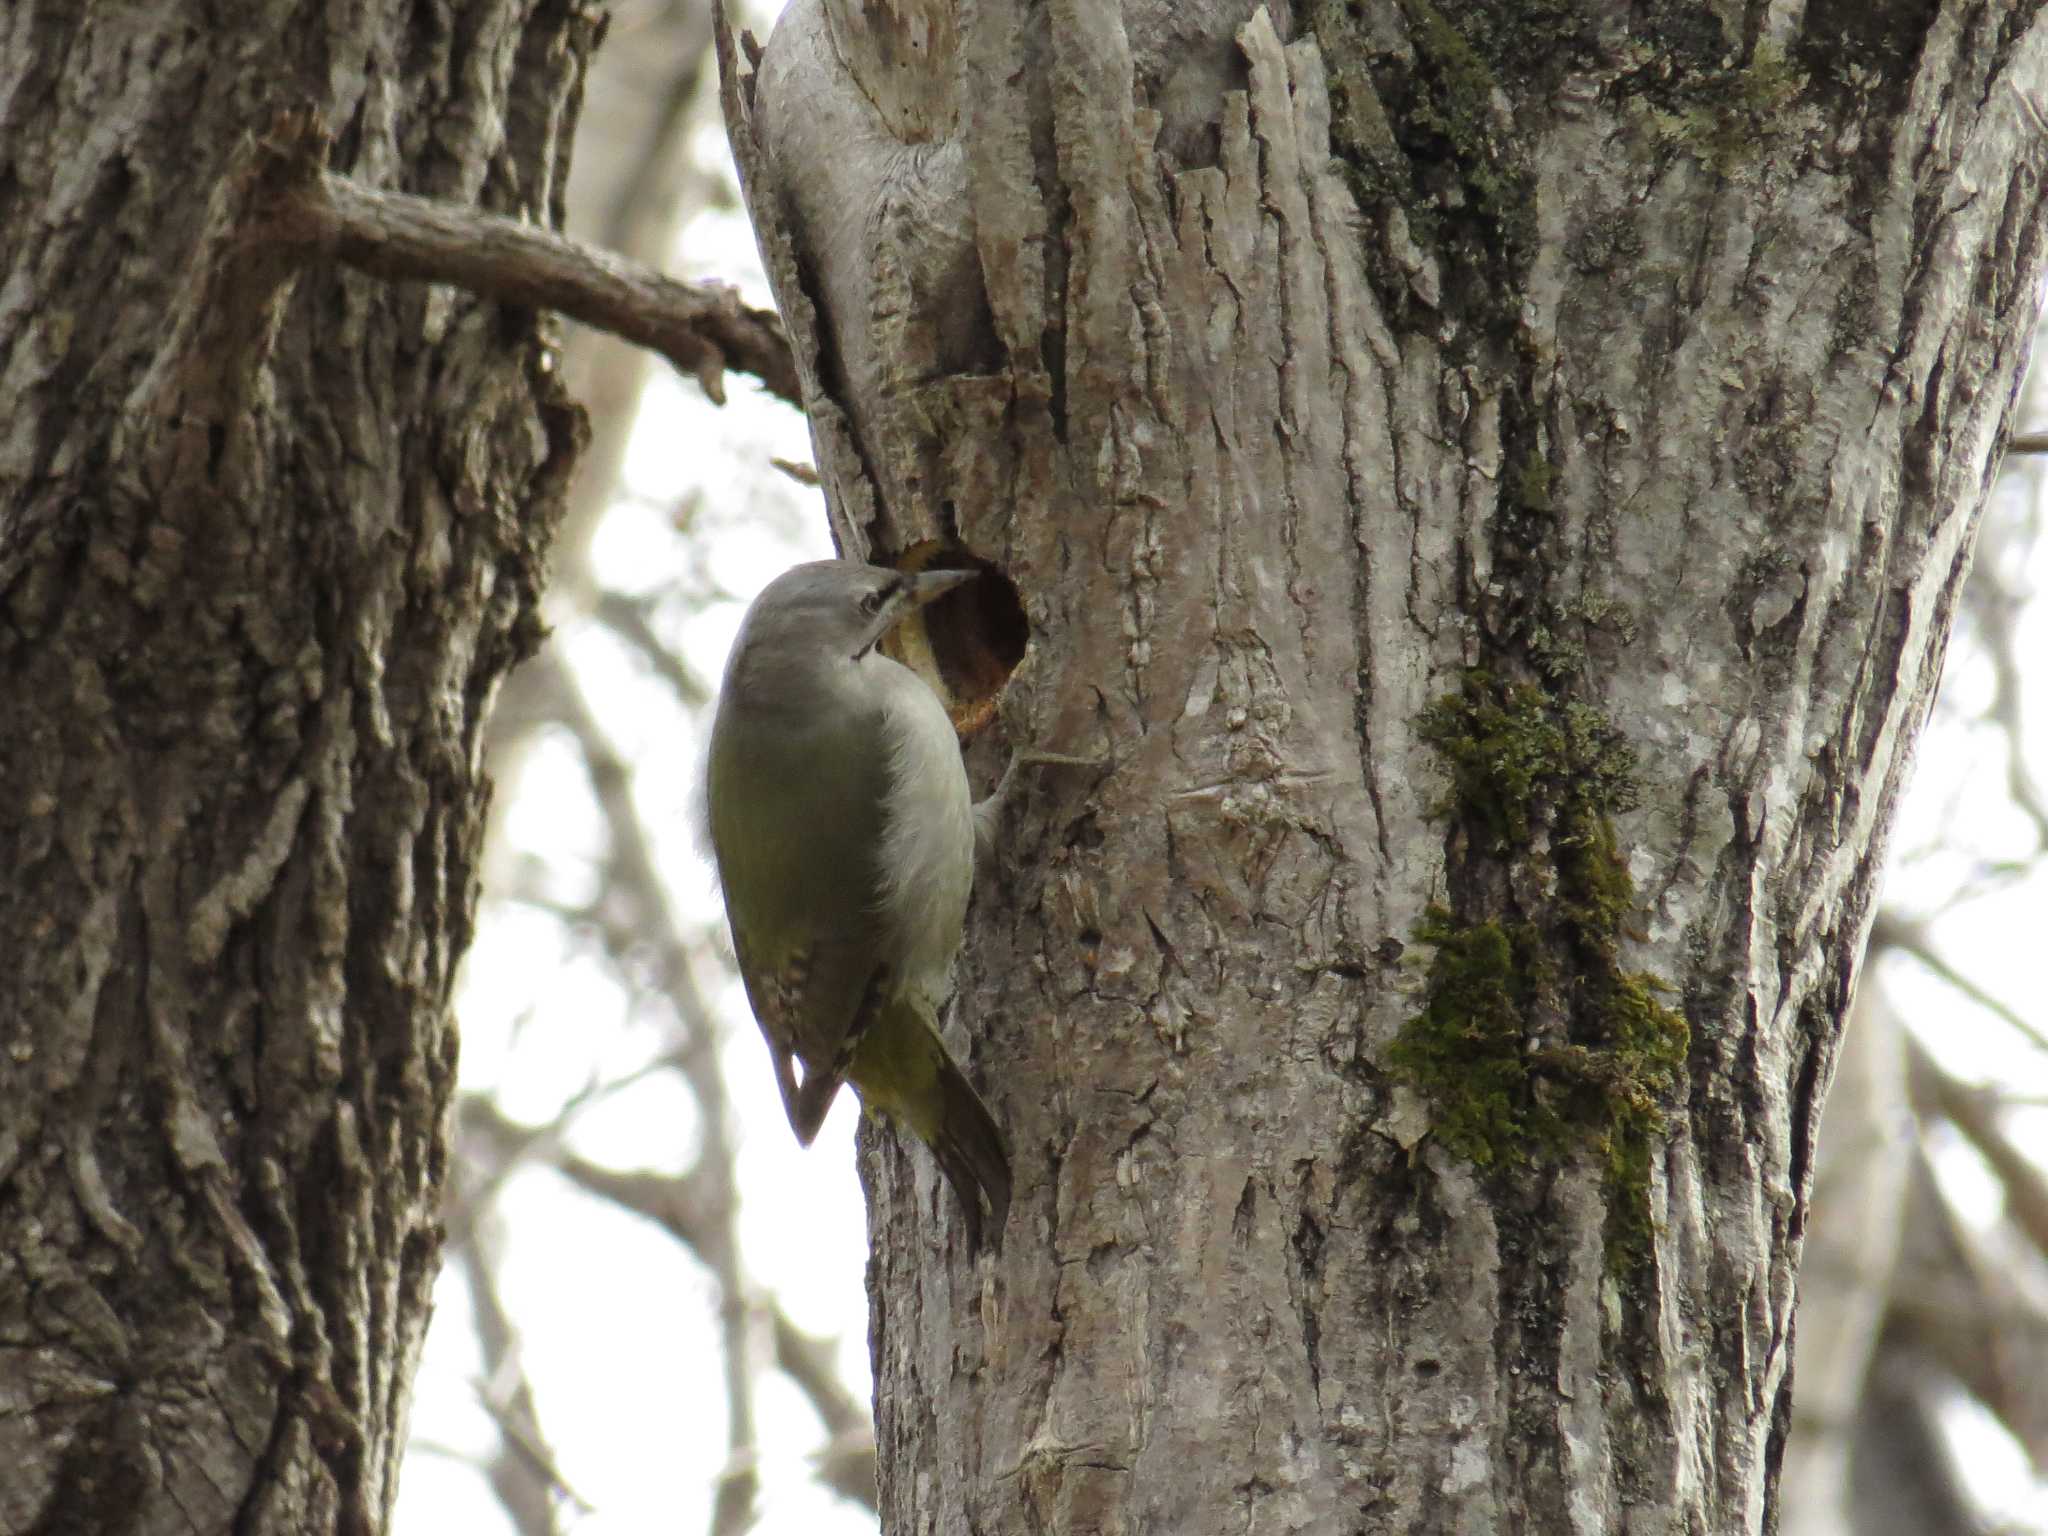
(928, 830)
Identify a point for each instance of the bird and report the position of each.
(843, 832)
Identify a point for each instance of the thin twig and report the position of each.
(688, 1207)
(627, 618)
(516, 1146)
(1889, 932)
(526, 1443)
(650, 917)
(1975, 1112)
(523, 1473)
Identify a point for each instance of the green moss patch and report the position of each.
(1730, 118)
(1531, 1040)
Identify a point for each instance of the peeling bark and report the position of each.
(269, 538)
(1631, 383)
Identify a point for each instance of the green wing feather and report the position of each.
(795, 822)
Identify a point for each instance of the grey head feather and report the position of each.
(778, 658)
(808, 618)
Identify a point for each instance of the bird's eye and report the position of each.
(871, 603)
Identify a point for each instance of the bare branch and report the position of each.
(523, 1473)
(703, 329)
(519, 1432)
(847, 1464)
(682, 1206)
(1958, 1299)
(1976, 1112)
(1995, 602)
(685, 1206)
(650, 917)
(627, 618)
(1911, 938)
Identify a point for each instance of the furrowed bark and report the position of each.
(270, 535)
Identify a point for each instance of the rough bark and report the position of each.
(269, 538)
(1493, 480)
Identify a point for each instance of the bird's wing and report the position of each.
(796, 825)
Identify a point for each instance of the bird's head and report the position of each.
(838, 608)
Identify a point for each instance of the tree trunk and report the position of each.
(1492, 481)
(269, 538)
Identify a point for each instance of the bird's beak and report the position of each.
(922, 589)
(914, 593)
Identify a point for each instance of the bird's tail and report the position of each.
(904, 1072)
(970, 1152)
